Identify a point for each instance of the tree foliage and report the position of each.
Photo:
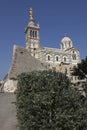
(81, 69)
(46, 101)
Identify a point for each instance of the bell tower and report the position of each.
(32, 35)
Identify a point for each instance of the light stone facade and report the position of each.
(62, 59)
(36, 57)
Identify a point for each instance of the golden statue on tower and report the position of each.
(31, 12)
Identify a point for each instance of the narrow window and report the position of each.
(30, 33)
(74, 56)
(64, 59)
(57, 58)
(73, 51)
(48, 57)
(33, 33)
(36, 34)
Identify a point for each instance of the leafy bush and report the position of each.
(46, 101)
(81, 69)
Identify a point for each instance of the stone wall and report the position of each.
(22, 61)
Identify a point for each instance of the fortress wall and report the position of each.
(22, 61)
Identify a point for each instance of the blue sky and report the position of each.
(55, 17)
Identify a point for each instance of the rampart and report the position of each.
(22, 61)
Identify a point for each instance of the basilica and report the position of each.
(66, 56)
(36, 57)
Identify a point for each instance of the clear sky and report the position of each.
(55, 17)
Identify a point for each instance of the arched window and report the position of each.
(49, 57)
(64, 59)
(31, 33)
(35, 33)
(57, 58)
(74, 56)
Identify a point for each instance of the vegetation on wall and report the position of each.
(81, 69)
(46, 101)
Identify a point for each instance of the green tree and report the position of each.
(81, 69)
(46, 101)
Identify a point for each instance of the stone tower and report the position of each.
(32, 36)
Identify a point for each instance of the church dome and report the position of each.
(66, 43)
(65, 39)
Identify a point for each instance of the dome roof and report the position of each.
(65, 39)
